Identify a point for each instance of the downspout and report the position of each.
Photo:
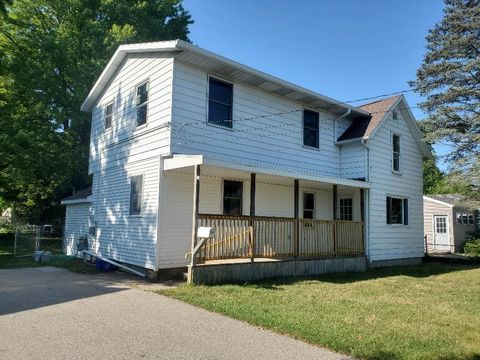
(367, 215)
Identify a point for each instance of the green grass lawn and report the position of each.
(420, 312)
(8, 261)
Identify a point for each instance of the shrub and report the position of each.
(472, 247)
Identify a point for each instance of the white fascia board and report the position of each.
(87, 200)
(348, 141)
(427, 198)
(181, 161)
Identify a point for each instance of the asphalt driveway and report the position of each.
(51, 313)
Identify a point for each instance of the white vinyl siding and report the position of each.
(76, 226)
(400, 241)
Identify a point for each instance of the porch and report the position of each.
(283, 224)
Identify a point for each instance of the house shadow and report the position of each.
(384, 355)
(32, 288)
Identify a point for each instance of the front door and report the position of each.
(440, 230)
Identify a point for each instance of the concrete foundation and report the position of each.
(247, 272)
(395, 262)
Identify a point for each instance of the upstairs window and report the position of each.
(136, 190)
(397, 211)
(308, 205)
(108, 115)
(346, 209)
(232, 197)
(141, 103)
(311, 126)
(396, 152)
(220, 101)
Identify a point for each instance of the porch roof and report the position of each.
(182, 161)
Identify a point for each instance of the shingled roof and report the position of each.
(364, 127)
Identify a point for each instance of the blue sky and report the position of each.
(345, 49)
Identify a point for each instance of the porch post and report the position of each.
(362, 217)
(196, 203)
(334, 219)
(253, 185)
(296, 198)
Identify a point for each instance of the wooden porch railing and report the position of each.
(275, 237)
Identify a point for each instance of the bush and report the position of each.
(472, 247)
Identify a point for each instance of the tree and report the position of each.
(51, 53)
(449, 78)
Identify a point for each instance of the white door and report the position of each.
(440, 233)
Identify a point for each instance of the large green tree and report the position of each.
(51, 52)
(449, 79)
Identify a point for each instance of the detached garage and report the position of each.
(77, 220)
(447, 223)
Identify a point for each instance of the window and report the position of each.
(465, 219)
(232, 197)
(136, 189)
(310, 128)
(441, 225)
(397, 211)
(220, 100)
(346, 209)
(394, 115)
(396, 152)
(141, 103)
(308, 206)
(471, 219)
(459, 218)
(108, 115)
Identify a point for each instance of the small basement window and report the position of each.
(220, 102)
(136, 194)
(308, 205)
(397, 210)
(141, 103)
(108, 115)
(396, 152)
(311, 128)
(232, 197)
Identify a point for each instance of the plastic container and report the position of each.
(101, 265)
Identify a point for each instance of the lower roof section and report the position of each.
(183, 161)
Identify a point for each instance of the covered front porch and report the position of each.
(263, 216)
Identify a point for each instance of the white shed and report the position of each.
(77, 220)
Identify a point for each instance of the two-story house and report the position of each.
(292, 182)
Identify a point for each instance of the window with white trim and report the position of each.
(232, 197)
(465, 218)
(136, 194)
(220, 102)
(311, 128)
(108, 115)
(397, 210)
(395, 152)
(308, 205)
(346, 209)
(141, 103)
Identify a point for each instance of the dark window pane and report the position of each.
(308, 214)
(396, 212)
(141, 115)
(219, 114)
(310, 128)
(136, 185)
(232, 197)
(396, 143)
(396, 162)
(471, 219)
(142, 94)
(308, 201)
(220, 91)
(346, 209)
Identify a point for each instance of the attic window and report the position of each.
(394, 115)
(108, 115)
(311, 128)
(396, 152)
(220, 102)
(141, 103)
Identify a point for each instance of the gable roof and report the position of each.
(220, 66)
(378, 110)
(452, 200)
(82, 196)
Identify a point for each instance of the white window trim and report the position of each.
(314, 204)
(105, 115)
(345, 196)
(208, 103)
(403, 210)
(141, 195)
(143, 126)
(222, 195)
(399, 171)
(303, 130)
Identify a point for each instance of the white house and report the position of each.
(182, 138)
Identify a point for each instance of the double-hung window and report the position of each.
(141, 103)
(308, 205)
(136, 190)
(311, 128)
(220, 102)
(108, 116)
(396, 152)
(346, 209)
(232, 197)
(397, 210)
